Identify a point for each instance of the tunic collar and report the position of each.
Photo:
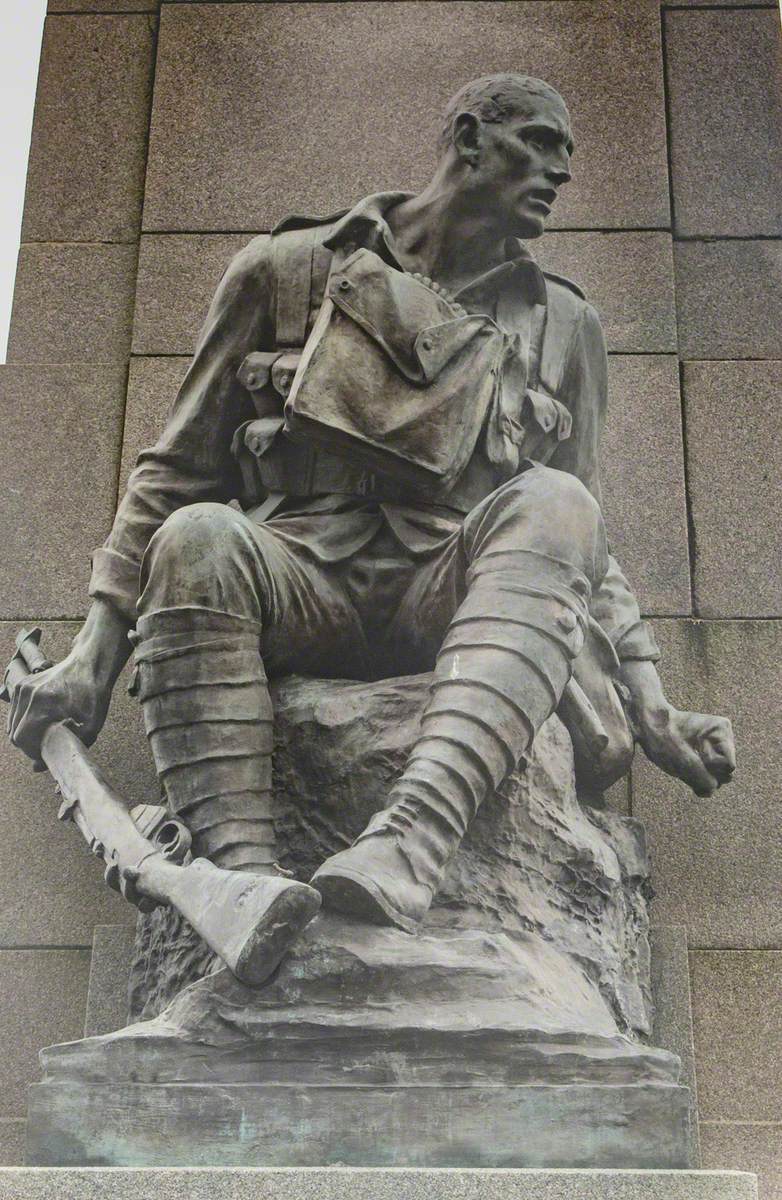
(365, 225)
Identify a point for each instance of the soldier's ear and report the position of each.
(467, 138)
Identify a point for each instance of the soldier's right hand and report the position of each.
(68, 691)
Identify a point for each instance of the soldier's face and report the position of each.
(524, 161)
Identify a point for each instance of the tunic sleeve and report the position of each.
(585, 392)
(192, 459)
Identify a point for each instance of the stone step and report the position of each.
(338, 1183)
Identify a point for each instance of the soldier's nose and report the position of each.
(559, 175)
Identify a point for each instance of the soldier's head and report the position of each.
(508, 137)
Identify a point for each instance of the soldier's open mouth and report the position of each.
(542, 200)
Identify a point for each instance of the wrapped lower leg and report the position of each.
(501, 671)
(208, 717)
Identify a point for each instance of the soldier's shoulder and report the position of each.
(257, 253)
(306, 225)
(568, 307)
(561, 283)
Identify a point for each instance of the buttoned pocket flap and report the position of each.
(283, 370)
(550, 414)
(256, 436)
(255, 371)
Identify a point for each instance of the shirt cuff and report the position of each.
(115, 579)
(637, 643)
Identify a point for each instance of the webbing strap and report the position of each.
(558, 322)
(537, 337)
(294, 255)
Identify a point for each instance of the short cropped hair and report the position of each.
(492, 98)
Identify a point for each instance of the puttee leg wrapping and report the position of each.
(209, 720)
(500, 673)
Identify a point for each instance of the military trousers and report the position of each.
(382, 611)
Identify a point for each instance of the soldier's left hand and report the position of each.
(695, 747)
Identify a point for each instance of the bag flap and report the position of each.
(419, 330)
(283, 372)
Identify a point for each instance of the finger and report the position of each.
(19, 703)
(695, 774)
(719, 757)
(720, 767)
(726, 744)
(27, 727)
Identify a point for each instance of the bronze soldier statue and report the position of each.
(408, 412)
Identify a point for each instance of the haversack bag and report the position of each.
(395, 377)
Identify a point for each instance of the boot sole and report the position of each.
(356, 895)
(278, 928)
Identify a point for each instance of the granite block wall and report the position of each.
(165, 135)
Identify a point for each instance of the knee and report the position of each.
(545, 512)
(546, 499)
(202, 556)
(560, 495)
(194, 536)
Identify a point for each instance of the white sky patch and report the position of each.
(21, 29)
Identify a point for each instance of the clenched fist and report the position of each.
(76, 690)
(695, 747)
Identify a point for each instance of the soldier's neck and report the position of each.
(443, 234)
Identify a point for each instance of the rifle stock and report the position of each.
(247, 919)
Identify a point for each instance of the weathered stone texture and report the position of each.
(753, 1147)
(152, 387)
(328, 134)
(672, 1021)
(717, 863)
(62, 427)
(72, 303)
(642, 445)
(86, 169)
(737, 1019)
(729, 298)
(12, 1135)
(107, 994)
(102, 6)
(725, 98)
(42, 997)
(734, 462)
(51, 888)
(177, 277)
(347, 1183)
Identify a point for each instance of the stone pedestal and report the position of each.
(305, 1125)
(510, 1031)
(371, 1047)
(349, 1184)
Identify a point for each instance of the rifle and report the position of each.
(248, 920)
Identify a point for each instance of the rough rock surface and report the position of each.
(354, 1004)
(536, 865)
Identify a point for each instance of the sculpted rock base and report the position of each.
(534, 861)
(508, 1032)
(371, 1047)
